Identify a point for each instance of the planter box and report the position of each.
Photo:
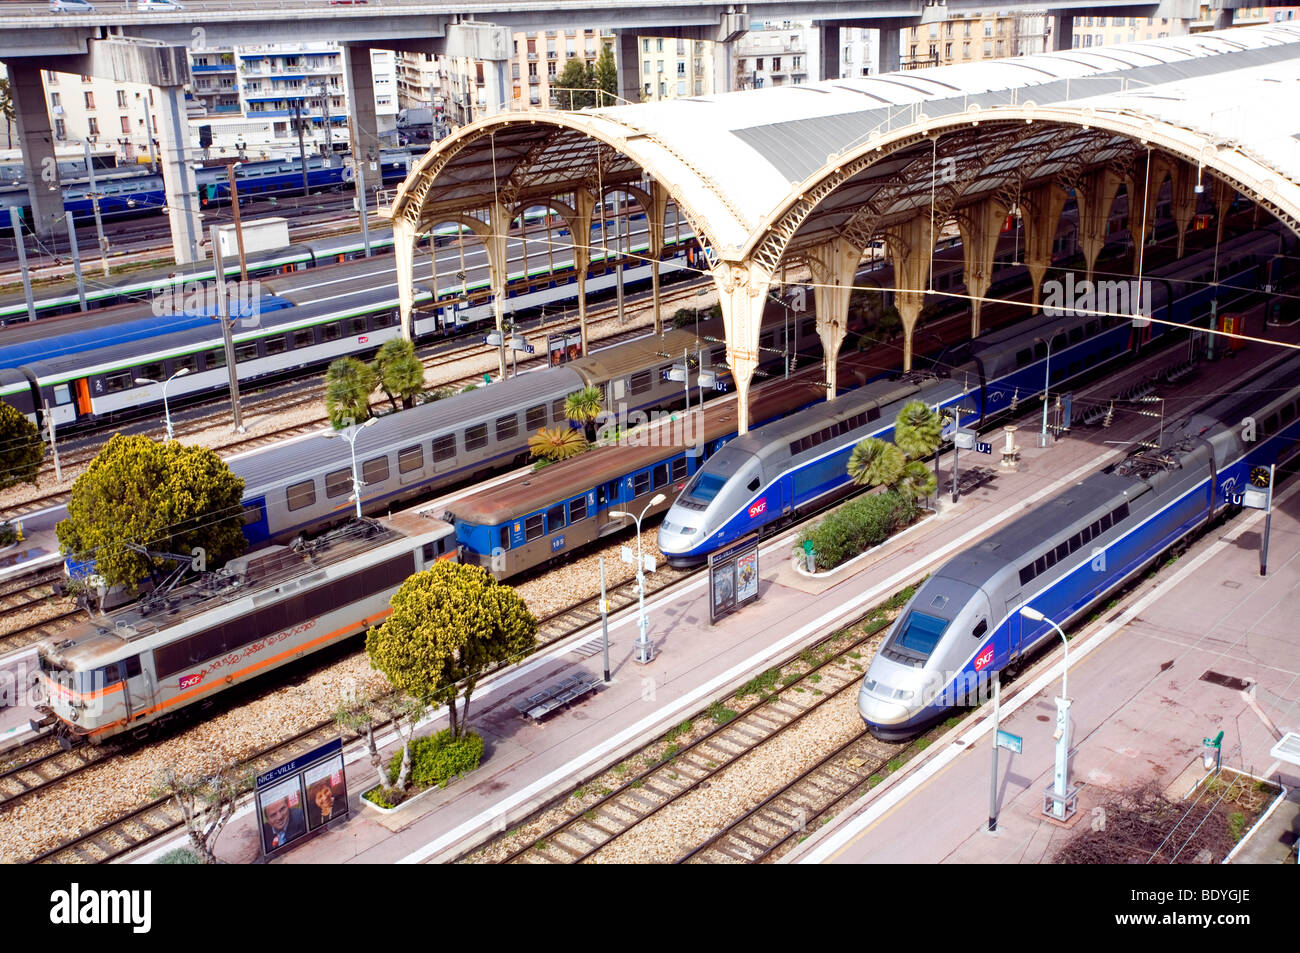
(367, 803)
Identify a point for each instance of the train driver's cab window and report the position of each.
(979, 630)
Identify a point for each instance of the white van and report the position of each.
(71, 6)
(157, 6)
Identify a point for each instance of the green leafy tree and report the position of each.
(916, 481)
(165, 497)
(917, 430)
(585, 407)
(374, 706)
(557, 443)
(348, 384)
(450, 623)
(7, 107)
(574, 87)
(207, 802)
(606, 78)
(875, 462)
(21, 448)
(399, 372)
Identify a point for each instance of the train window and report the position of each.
(476, 437)
(535, 418)
(116, 382)
(252, 514)
(640, 382)
(555, 518)
(533, 527)
(507, 427)
(153, 372)
(301, 494)
(444, 447)
(679, 468)
(1119, 513)
(382, 320)
(338, 483)
(1026, 575)
(718, 356)
(1040, 351)
(1076, 335)
(189, 363)
(1288, 413)
(503, 538)
(1270, 425)
(640, 482)
(214, 359)
(1040, 565)
(304, 337)
(578, 509)
(1062, 551)
(980, 629)
(557, 412)
(1023, 357)
(1076, 541)
(356, 326)
(276, 345)
(246, 352)
(1074, 368)
(412, 458)
(873, 413)
(660, 475)
(374, 470)
(329, 332)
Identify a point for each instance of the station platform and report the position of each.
(1147, 686)
(528, 763)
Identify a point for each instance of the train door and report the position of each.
(82, 389)
(1015, 633)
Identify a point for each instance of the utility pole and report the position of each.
(76, 260)
(22, 262)
(302, 150)
(239, 230)
(94, 204)
(227, 335)
(54, 446)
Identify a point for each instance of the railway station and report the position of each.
(698, 723)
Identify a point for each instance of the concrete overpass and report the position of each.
(120, 43)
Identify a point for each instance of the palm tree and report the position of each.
(348, 384)
(917, 430)
(399, 371)
(584, 407)
(557, 443)
(916, 481)
(874, 462)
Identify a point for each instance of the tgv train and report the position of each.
(964, 623)
(764, 477)
(88, 380)
(133, 669)
(135, 192)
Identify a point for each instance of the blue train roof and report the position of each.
(138, 329)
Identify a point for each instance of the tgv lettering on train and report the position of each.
(1069, 298)
(243, 300)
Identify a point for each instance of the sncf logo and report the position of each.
(983, 659)
(189, 681)
(758, 508)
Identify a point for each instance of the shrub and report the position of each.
(857, 526)
(181, 855)
(436, 759)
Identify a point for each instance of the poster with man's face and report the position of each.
(280, 809)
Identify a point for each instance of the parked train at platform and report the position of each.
(768, 475)
(132, 670)
(964, 624)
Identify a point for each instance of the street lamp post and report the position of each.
(1047, 385)
(644, 651)
(1062, 799)
(350, 435)
(167, 415)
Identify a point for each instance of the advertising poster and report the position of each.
(280, 808)
(327, 792)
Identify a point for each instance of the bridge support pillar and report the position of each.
(1182, 195)
(1223, 18)
(584, 205)
(37, 138)
(1223, 196)
(980, 226)
(833, 267)
(1044, 206)
(626, 59)
(910, 245)
(888, 44)
(491, 45)
(742, 293)
(1062, 30)
(181, 192)
(656, 213)
(828, 49)
(363, 125)
(404, 262)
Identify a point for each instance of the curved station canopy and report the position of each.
(811, 175)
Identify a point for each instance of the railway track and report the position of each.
(32, 633)
(788, 695)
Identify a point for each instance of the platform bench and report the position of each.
(541, 703)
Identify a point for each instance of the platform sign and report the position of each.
(1013, 743)
(733, 578)
(982, 447)
(301, 796)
